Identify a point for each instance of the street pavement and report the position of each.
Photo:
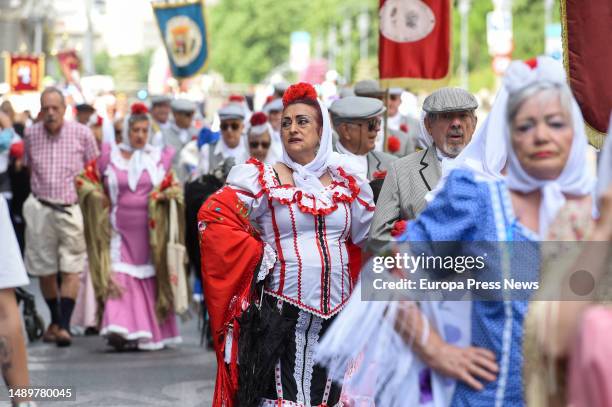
(181, 376)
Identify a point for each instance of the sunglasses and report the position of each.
(226, 126)
(255, 144)
(372, 123)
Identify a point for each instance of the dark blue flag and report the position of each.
(183, 30)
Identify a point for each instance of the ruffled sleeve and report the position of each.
(244, 179)
(454, 214)
(362, 211)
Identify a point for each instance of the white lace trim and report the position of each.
(300, 343)
(339, 188)
(267, 262)
(309, 357)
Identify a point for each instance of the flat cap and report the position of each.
(183, 105)
(356, 108)
(281, 87)
(346, 92)
(368, 88)
(84, 107)
(275, 105)
(449, 100)
(160, 99)
(233, 111)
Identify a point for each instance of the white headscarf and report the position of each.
(142, 159)
(575, 178)
(306, 177)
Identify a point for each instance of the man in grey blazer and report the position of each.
(450, 122)
(356, 122)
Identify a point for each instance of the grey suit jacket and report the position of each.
(379, 161)
(403, 193)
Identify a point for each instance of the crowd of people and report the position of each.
(279, 213)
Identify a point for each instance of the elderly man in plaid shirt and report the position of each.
(56, 152)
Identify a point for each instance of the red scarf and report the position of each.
(231, 250)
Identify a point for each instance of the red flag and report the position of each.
(24, 73)
(586, 44)
(414, 43)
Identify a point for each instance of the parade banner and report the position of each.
(70, 65)
(586, 54)
(183, 30)
(24, 73)
(415, 43)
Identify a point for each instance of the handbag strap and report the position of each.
(173, 238)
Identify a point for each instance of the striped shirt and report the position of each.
(56, 160)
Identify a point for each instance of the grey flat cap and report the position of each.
(232, 111)
(368, 88)
(274, 106)
(449, 100)
(346, 92)
(356, 108)
(281, 87)
(396, 91)
(183, 105)
(160, 99)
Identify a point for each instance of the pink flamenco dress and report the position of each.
(131, 317)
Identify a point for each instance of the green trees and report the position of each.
(249, 38)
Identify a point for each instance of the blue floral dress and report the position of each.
(471, 210)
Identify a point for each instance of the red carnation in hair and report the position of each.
(532, 63)
(236, 98)
(258, 119)
(139, 108)
(393, 144)
(297, 91)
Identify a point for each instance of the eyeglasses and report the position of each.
(226, 126)
(255, 144)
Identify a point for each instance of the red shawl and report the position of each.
(231, 250)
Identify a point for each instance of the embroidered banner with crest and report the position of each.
(183, 30)
(414, 43)
(586, 54)
(24, 73)
(70, 64)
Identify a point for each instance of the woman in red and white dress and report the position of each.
(292, 232)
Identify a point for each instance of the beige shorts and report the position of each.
(54, 240)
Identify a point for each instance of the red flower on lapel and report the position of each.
(379, 174)
(404, 127)
(399, 227)
(393, 144)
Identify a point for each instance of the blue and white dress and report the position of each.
(472, 210)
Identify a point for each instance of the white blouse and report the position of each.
(311, 237)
